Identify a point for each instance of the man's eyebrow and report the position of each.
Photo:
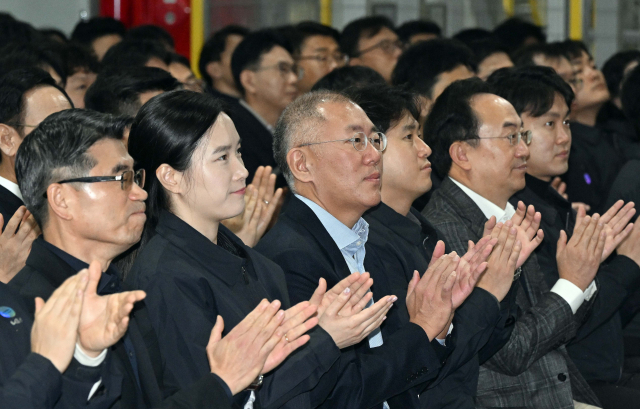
(222, 148)
(120, 167)
(508, 124)
(321, 49)
(411, 126)
(553, 114)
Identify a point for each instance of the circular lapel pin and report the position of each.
(7, 312)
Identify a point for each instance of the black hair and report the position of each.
(452, 119)
(384, 105)
(151, 32)
(86, 32)
(629, 98)
(514, 32)
(411, 28)
(526, 55)
(418, 68)
(307, 29)
(365, 27)
(344, 77)
(574, 48)
(215, 46)
(530, 89)
(180, 59)
(13, 86)
(249, 52)
(78, 57)
(613, 69)
(485, 48)
(118, 91)
(43, 54)
(469, 35)
(168, 129)
(54, 34)
(134, 53)
(15, 30)
(56, 150)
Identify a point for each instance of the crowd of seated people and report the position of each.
(236, 242)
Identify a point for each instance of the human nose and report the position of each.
(239, 171)
(564, 135)
(522, 150)
(371, 154)
(137, 193)
(424, 151)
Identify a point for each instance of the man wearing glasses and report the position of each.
(482, 151)
(317, 52)
(372, 42)
(266, 75)
(331, 155)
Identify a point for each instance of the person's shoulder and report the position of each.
(157, 257)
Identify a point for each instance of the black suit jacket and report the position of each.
(9, 204)
(598, 348)
(481, 326)
(257, 142)
(300, 244)
(189, 281)
(45, 271)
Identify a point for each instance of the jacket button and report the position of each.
(562, 377)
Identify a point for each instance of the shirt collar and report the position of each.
(487, 207)
(257, 115)
(346, 239)
(11, 187)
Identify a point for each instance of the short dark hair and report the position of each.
(485, 48)
(15, 30)
(530, 89)
(574, 48)
(180, 59)
(43, 55)
(452, 119)
(249, 52)
(215, 46)
(168, 130)
(57, 150)
(411, 28)
(629, 98)
(613, 69)
(307, 29)
(78, 57)
(526, 55)
(134, 53)
(469, 35)
(514, 31)
(86, 32)
(344, 77)
(13, 86)
(365, 27)
(418, 68)
(384, 105)
(54, 34)
(118, 91)
(150, 32)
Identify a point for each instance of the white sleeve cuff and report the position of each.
(86, 360)
(588, 293)
(442, 341)
(570, 292)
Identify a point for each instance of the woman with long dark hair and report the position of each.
(194, 269)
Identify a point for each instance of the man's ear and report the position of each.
(297, 159)
(458, 152)
(248, 81)
(170, 178)
(10, 140)
(214, 69)
(60, 200)
(425, 106)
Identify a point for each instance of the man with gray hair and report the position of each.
(331, 156)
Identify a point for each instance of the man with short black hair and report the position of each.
(82, 69)
(316, 50)
(45, 56)
(150, 32)
(413, 32)
(491, 55)
(372, 42)
(215, 62)
(137, 53)
(99, 33)
(516, 33)
(349, 76)
(266, 75)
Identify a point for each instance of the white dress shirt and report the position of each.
(570, 292)
(11, 187)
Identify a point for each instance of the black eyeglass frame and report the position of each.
(136, 175)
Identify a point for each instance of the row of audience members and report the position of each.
(494, 291)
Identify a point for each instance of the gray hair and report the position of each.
(300, 123)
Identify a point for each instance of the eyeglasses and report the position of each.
(15, 124)
(388, 46)
(284, 68)
(360, 141)
(339, 58)
(126, 179)
(515, 138)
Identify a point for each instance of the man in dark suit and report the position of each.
(331, 155)
(100, 220)
(266, 76)
(481, 152)
(598, 349)
(27, 96)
